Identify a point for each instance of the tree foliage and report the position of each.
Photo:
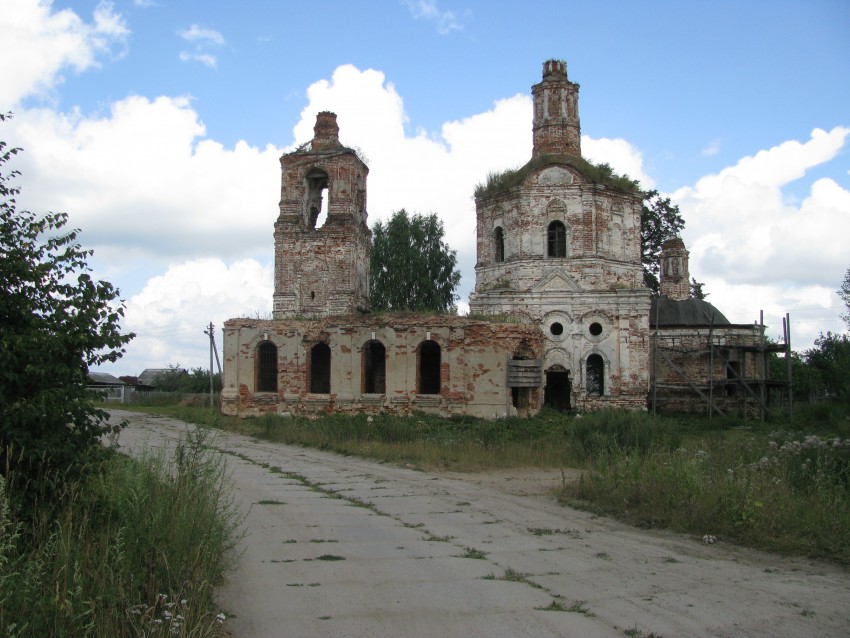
(55, 322)
(697, 291)
(193, 381)
(830, 362)
(660, 220)
(844, 293)
(412, 268)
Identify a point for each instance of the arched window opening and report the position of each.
(524, 351)
(320, 369)
(374, 368)
(556, 240)
(499, 244)
(429, 368)
(317, 200)
(266, 367)
(556, 392)
(595, 375)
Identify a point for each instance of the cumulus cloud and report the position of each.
(752, 246)
(39, 45)
(144, 177)
(172, 311)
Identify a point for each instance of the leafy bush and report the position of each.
(135, 550)
(55, 322)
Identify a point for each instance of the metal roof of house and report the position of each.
(149, 375)
(102, 378)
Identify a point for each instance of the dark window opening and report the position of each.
(732, 368)
(429, 368)
(595, 372)
(596, 329)
(374, 368)
(317, 200)
(320, 369)
(556, 329)
(521, 399)
(556, 392)
(556, 240)
(499, 244)
(266, 367)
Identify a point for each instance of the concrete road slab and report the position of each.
(340, 546)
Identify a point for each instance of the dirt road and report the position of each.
(339, 546)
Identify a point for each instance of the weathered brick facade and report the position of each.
(699, 361)
(564, 253)
(465, 374)
(322, 270)
(560, 313)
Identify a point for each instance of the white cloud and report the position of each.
(143, 177)
(204, 58)
(171, 313)
(39, 44)
(712, 149)
(204, 40)
(755, 249)
(445, 21)
(620, 155)
(202, 36)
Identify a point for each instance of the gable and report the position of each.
(556, 281)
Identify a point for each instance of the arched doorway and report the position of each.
(556, 392)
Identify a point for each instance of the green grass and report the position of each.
(136, 548)
(763, 485)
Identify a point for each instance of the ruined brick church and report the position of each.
(559, 315)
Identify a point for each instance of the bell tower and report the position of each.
(322, 242)
(556, 125)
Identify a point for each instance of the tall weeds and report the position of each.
(136, 549)
(785, 491)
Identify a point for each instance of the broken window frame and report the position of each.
(498, 244)
(595, 375)
(556, 239)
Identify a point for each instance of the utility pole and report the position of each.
(212, 348)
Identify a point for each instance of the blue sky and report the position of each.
(157, 126)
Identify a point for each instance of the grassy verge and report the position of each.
(135, 549)
(781, 486)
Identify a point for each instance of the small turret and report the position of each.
(325, 132)
(556, 124)
(675, 277)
